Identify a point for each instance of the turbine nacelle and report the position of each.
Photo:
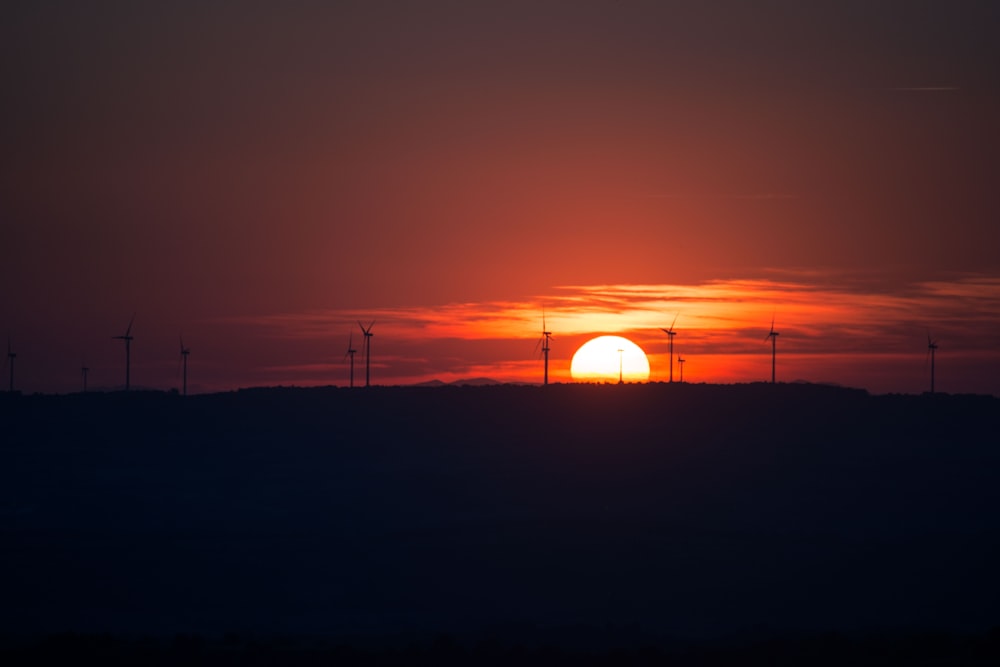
(772, 335)
(544, 340)
(932, 347)
(350, 346)
(128, 331)
(127, 337)
(368, 349)
(670, 337)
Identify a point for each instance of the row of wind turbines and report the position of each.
(127, 338)
(367, 333)
(544, 342)
(772, 335)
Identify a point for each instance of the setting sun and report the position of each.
(610, 359)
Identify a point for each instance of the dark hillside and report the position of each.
(667, 511)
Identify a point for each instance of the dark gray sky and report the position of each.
(195, 161)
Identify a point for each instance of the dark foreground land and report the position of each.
(635, 524)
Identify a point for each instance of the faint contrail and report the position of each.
(925, 89)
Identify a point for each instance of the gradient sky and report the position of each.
(258, 176)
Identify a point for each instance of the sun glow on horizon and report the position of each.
(848, 332)
(609, 359)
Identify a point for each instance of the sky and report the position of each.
(256, 177)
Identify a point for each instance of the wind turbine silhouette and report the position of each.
(620, 351)
(368, 350)
(350, 353)
(773, 335)
(184, 359)
(11, 356)
(932, 346)
(671, 333)
(128, 340)
(83, 371)
(544, 342)
(680, 362)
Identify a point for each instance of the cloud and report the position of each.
(924, 89)
(763, 196)
(803, 304)
(828, 322)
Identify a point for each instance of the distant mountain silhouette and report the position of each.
(464, 382)
(431, 383)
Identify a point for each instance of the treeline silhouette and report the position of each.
(587, 519)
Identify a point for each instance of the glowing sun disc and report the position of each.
(599, 360)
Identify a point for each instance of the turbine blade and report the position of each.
(129, 329)
(674, 322)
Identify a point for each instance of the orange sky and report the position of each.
(828, 333)
(258, 177)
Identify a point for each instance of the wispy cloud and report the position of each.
(825, 321)
(924, 89)
(761, 196)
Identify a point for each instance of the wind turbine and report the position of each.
(544, 342)
(620, 351)
(368, 350)
(773, 335)
(932, 346)
(680, 362)
(11, 356)
(671, 333)
(350, 353)
(184, 358)
(128, 340)
(83, 371)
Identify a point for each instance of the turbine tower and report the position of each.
(11, 356)
(83, 372)
(128, 340)
(350, 353)
(184, 359)
(671, 333)
(680, 362)
(368, 350)
(620, 351)
(773, 335)
(544, 342)
(932, 346)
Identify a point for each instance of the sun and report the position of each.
(608, 359)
